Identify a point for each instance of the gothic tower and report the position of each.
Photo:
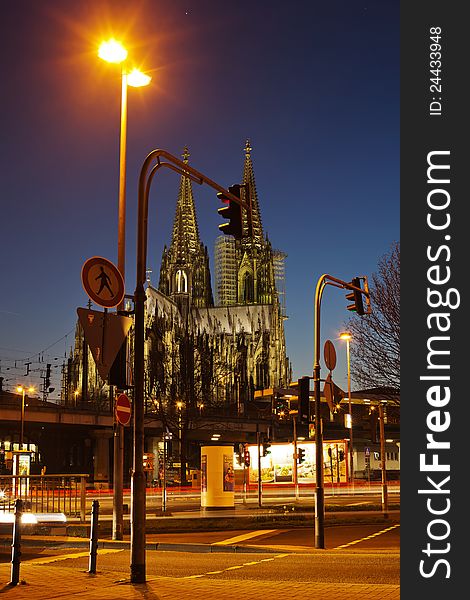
(245, 269)
(184, 273)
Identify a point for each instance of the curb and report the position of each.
(155, 546)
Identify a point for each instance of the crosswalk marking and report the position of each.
(243, 537)
(247, 564)
(51, 559)
(367, 537)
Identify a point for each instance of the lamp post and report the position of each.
(114, 52)
(348, 337)
(22, 390)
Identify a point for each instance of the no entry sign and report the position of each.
(123, 409)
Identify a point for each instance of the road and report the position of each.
(359, 562)
(190, 500)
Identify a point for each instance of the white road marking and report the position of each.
(243, 537)
(51, 559)
(247, 564)
(367, 537)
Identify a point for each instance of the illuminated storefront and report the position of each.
(278, 465)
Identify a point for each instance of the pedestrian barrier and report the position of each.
(45, 493)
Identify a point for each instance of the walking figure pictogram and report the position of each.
(104, 283)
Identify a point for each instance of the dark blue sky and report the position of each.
(313, 85)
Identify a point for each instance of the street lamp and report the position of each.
(114, 52)
(348, 337)
(22, 390)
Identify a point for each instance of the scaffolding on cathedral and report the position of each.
(279, 265)
(225, 271)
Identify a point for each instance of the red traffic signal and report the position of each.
(247, 457)
(232, 211)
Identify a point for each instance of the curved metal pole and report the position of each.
(319, 491)
(137, 566)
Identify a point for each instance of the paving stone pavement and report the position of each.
(43, 582)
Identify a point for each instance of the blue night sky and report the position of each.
(313, 85)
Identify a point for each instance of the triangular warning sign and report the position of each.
(104, 333)
(333, 393)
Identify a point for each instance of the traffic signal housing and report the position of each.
(247, 457)
(47, 378)
(240, 454)
(266, 450)
(232, 211)
(304, 399)
(355, 296)
(300, 455)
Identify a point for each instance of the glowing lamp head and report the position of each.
(20, 389)
(112, 51)
(345, 336)
(138, 79)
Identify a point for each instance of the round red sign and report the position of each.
(123, 409)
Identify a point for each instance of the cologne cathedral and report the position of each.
(204, 351)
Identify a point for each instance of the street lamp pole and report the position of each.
(22, 419)
(347, 337)
(122, 176)
(22, 390)
(114, 52)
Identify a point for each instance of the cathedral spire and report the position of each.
(185, 238)
(249, 177)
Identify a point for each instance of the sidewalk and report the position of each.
(43, 582)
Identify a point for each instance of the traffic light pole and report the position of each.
(258, 441)
(158, 158)
(323, 281)
(319, 491)
(383, 461)
(296, 471)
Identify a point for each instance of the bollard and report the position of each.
(16, 545)
(95, 509)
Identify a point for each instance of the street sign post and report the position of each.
(104, 333)
(103, 282)
(123, 409)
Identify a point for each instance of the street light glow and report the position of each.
(22, 389)
(345, 336)
(112, 51)
(138, 79)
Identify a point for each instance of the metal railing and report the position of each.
(45, 493)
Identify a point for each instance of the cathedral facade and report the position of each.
(201, 353)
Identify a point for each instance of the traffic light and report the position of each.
(304, 399)
(240, 454)
(300, 455)
(232, 211)
(47, 378)
(118, 372)
(374, 419)
(356, 298)
(247, 457)
(266, 450)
